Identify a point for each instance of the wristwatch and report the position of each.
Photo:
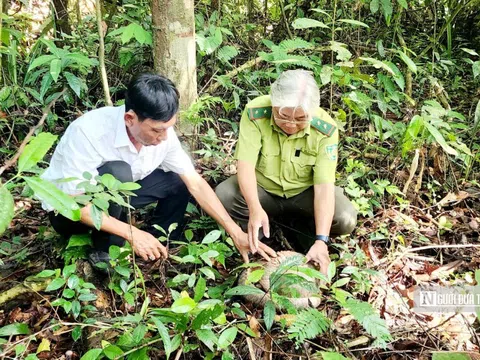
(323, 238)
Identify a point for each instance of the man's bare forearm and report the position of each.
(324, 207)
(247, 181)
(109, 223)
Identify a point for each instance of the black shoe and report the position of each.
(100, 261)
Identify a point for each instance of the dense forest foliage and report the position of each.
(400, 77)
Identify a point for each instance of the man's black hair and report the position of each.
(152, 96)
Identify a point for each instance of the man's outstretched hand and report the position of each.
(242, 244)
(258, 218)
(146, 245)
(318, 255)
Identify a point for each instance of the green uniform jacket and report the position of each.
(287, 165)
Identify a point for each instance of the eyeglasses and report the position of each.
(295, 122)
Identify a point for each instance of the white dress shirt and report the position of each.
(100, 136)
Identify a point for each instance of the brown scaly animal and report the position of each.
(306, 297)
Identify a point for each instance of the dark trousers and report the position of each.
(295, 214)
(165, 188)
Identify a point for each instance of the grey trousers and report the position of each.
(295, 214)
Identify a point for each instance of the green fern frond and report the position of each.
(308, 324)
(226, 53)
(366, 315)
(294, 44)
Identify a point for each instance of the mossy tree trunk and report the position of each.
(61, 17)
(174, 47)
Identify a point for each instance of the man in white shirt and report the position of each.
(136, 142)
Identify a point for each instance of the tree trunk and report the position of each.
(174, 47)
(61, 17)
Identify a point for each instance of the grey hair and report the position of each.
(296, 88)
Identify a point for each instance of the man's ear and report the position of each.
(130, 118)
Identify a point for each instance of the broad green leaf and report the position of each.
(207, 337)
(304, 23)
(77, 333)
(45, 273)
(68, 270)
(54, 197)
(398, 76)
(403, 3)
(35, 150)
(112, 351)
(475, 121)
(40, 61)
(332, 356)
(97, 216)
(332, 269)
(255, 276)
(354, 22)
(387, 10)
(74, 82)
(476, 69)
(15, 329)
(139, 333)
(269, 314)
(244, 290)
(227, 337)
(73, 282)
(44, 346)
(440, 139)
(470, 51)
(378, 64)
(110, 182)
(55, 69)
(188, 235)
(114, 252)
(374, 6)
(46, 84)
(7, 207)
(55, 284)
(208, 273)
(211, 236)
(450, 355)
(200, 289)
(87, 297)
(409, 62)
(92, 354)
(125, 272)
(79, 240)
(322, 12)
(183, 305)
(128, 33)
(76, 308)
(130, 186)
(163, 331)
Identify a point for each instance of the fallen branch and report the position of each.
(462, 246)
(15, 157)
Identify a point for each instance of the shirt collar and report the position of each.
(121, 136)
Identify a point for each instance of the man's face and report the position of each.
(148, 132)
(290, 120)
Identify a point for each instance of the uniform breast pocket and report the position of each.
(303, 165)
(269, 161)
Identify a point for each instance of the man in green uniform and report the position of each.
(287, 155)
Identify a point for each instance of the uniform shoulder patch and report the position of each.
(263, 112)
(323, 126)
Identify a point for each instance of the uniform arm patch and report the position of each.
(323, 126)
(260, 113)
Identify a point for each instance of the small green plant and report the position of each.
(76, 293)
